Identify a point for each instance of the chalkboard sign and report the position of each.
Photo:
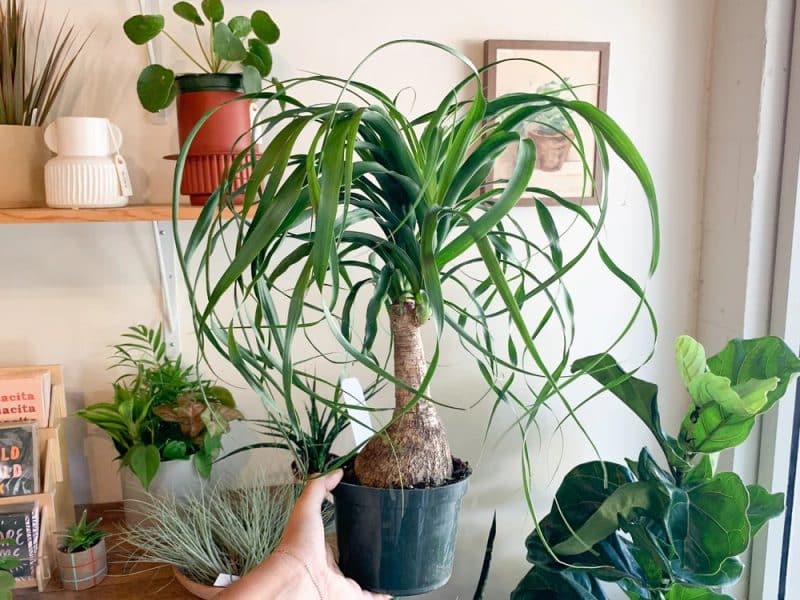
(19, 526)
(19, 460)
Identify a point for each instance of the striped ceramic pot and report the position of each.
(82, 570)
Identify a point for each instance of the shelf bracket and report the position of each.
(165, 252)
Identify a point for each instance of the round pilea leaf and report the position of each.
(140, 29)
(264, 27)
(187, 11)
(240, 26)
(261, 50)
(251, 79)
(156, 87)
(227, 45)
(213, 10)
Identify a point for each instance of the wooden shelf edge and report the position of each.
(142, 212)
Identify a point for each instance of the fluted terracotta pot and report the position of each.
(196, 589)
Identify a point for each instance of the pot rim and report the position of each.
(102, 540)
(446, 488)
(209, 82)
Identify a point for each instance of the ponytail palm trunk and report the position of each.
(354, 210)
(414, 448)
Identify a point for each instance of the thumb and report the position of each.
(317, 487)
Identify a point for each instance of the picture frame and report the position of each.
(585, 66)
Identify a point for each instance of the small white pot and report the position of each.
(176, 478)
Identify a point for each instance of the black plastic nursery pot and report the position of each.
(398, 541)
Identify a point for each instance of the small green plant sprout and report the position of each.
(242, 41)
(82, 535)
(7, 564)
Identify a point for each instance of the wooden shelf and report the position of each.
(142, 212)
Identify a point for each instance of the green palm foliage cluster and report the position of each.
(352, 206)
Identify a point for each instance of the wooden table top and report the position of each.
(125, 580)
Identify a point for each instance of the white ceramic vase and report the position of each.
(88, 172)
(176, 478)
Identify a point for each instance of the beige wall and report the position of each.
(69, 290)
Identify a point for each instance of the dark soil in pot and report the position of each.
(399, 541)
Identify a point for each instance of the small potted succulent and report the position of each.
(7, 565)
(550, 131)
(82, 555)
(33, 75)
(240, 44)
(165, 421)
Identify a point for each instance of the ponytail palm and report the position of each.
(354, 211)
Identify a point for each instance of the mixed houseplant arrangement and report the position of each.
(162, 409)
(671, 529)
(384, 216)
(240, 44)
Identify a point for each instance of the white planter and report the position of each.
(176, 478)
(22, 158)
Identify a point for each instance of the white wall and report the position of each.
(69, 290)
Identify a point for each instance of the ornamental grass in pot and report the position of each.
(241, 42)
(386, 217)
(82, 560)
(32, 74)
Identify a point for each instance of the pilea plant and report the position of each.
(670, 532)
(242, 41)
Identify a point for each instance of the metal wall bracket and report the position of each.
(165, 252)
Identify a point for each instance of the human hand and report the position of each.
(304, 540)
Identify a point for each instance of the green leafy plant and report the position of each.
(7, 564)
(383, 215)
(665, 533)
(225, 530)
(82, 535)
(162, 410)
(242, 41)
(311, 443)
(32, 73)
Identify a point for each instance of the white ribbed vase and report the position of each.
(82, 182)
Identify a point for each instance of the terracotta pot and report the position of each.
(83, 570)
(552, 149)
(196, 589)
(220, 138)
(23, 154)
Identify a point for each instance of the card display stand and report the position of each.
(57, 509)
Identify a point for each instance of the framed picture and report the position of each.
(584, 65)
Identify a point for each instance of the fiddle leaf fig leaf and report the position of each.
(264, 27)
(728, 574)
(763, 507)
(746, 400)
(760, 358)
(639, 495)
(699, 472)
(716, 526)
(240, 26)
(156, 87)
(187, 11)
(691, 358)
(678, 591)
(140, 29)
(226, 45)
(213, 10)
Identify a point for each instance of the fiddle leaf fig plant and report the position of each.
(674, 532)
(242, 41)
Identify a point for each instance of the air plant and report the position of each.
(32, 74)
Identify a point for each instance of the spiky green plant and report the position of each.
(32, 74)
(355, 211)
(82, 535)
(224, 530)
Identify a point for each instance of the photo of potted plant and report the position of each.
(240, 43)
(165, 421)
(82, 561)
(228, 530)
(550, 131)
(32, 75)
(672, 532)
(382, 216)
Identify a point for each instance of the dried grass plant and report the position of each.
(32, 73)
(224, 530)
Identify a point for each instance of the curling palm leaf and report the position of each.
(354, 211)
